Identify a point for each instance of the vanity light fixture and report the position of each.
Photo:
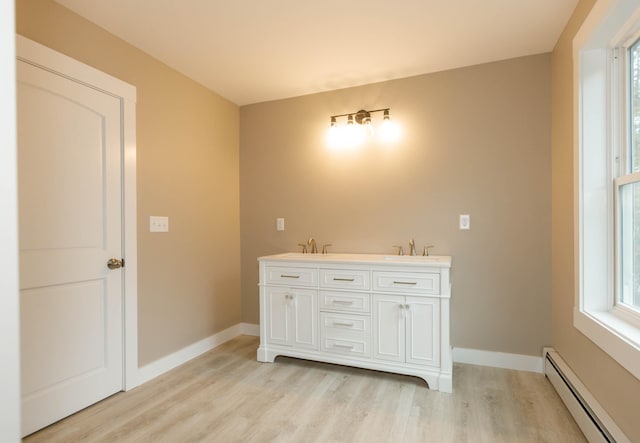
(358, 126)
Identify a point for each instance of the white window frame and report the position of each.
(600, 130)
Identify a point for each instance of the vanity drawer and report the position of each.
(338, 325)
(344, 279)
(345, 301)
(346, 334)
(423, 282)
(349, 346)
(291, 276)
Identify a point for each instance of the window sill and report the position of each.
(617, 337)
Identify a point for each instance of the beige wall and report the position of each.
(187, 141)
(617, 390)
(476, 140)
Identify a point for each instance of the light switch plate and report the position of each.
(158, 224)
(279, 224)
(465, 221)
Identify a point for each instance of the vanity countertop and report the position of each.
(442, 261)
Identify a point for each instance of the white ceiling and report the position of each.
(252, 51)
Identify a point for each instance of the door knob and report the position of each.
(114, 263)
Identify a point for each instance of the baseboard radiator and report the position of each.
(595, 423)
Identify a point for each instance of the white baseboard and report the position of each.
(250, 329)
(165, 364)
(498, 360)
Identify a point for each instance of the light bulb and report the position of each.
(366, 122)
(334, 135)
(354, 135)
(389, 131)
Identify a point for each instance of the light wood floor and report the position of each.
(225, 395)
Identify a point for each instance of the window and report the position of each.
(628, 190)
(607, 72)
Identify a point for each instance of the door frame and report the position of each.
(46, 58)
(9, 309)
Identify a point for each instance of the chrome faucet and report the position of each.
(412, 247)
(312, 243)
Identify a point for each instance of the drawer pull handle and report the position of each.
(405, 282)
(338, 323)
(343, 279)
(338, 345)
(342, 302)
(289, 276)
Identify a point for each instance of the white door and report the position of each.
(423, 326)
(389, 327)
(69, 170)
(278, 318)
(292, 315)
(304, 309)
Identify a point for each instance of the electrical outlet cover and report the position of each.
(465, 221)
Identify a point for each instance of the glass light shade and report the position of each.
(353, 135)
(368, 127)
(334, 136)
(389, 131)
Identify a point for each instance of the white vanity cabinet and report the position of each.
(292, 316)
(345, 311)
(407, 329)
(407, 326)
(387, 313)
(291, 306)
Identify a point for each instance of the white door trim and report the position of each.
(46, 58)
(9, 308)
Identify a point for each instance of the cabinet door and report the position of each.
(388, 327)
(278, 317)
(423, 330)
(304, 318)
